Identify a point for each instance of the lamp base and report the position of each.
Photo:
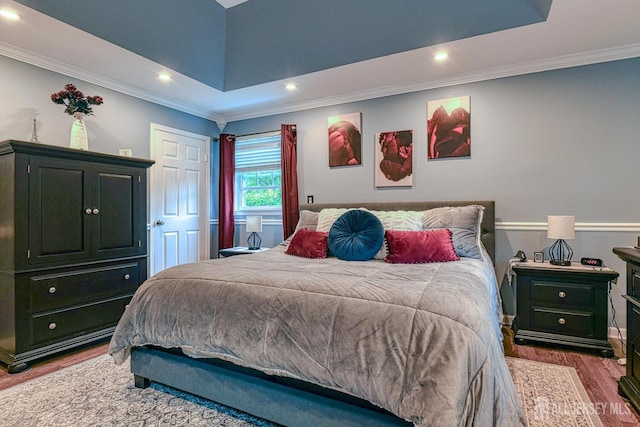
(254, 241)
(560, 253)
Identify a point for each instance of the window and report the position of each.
(257, 181)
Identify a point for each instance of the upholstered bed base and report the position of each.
(284, 401)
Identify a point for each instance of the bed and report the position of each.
(329, 342)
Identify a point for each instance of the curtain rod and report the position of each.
(249, 134)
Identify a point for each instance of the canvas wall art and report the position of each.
(345, 147)
(394, 159)
(448, 128)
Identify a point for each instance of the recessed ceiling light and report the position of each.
(291, 86)
(441, 56)
(164, 76)
(9, 14)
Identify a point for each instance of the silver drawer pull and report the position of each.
(52, 326)
(561, 294)
(88, 211)
(562, 321)
(127, 276)
(52, 290)
(95, 211)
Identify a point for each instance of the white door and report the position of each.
(179, 197)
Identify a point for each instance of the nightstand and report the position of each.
(565, 305)
(239, 250)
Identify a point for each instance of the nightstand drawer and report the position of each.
(572, 294)
(563, 322)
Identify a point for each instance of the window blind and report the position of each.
(258, 152)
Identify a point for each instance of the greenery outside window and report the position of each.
(258, 180)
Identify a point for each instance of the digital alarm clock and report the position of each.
(593, 262)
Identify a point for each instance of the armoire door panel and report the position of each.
(115, 229)
(59, 229)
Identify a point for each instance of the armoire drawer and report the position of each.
(51, 326)
(67, 288)
(563, 322)
(559, 293)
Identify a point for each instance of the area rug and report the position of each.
(552, 395)
(99, 393)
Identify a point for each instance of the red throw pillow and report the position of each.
(308, 244)
(410, 247)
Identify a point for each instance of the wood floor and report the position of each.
(598, 375)
(52, 364)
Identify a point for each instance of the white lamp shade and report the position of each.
(561, 227)
(254, 224)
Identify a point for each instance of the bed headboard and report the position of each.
(488, 236)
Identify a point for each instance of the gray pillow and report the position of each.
(308, 220)
(464, 223)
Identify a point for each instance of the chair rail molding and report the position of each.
(580, 226)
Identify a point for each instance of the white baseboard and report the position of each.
(613, 333)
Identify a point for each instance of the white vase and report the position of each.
(78, 138)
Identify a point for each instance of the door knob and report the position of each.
(159, 222)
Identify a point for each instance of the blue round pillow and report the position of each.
(357, 235)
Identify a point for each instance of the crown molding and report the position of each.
(51, 64)
(574, 60)
(567, 61)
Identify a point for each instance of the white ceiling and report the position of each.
(577, 32)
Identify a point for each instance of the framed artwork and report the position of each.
(345, 136)
(538, 257)
(448, 128)
(394, 159)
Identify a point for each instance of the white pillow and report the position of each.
(327, 217)
(398, 221)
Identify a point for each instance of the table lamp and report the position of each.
(561, 227)
(254, 226)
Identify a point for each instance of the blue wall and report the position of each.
(121, 122)
(557, 142)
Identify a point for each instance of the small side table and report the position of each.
(238, 250)
(563, 305)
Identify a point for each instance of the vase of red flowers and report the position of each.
(78, 106)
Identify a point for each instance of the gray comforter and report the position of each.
(420, 340)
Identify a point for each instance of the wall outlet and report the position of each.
(126, 152)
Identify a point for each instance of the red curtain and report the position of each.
(227, 173)
(289, 162)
